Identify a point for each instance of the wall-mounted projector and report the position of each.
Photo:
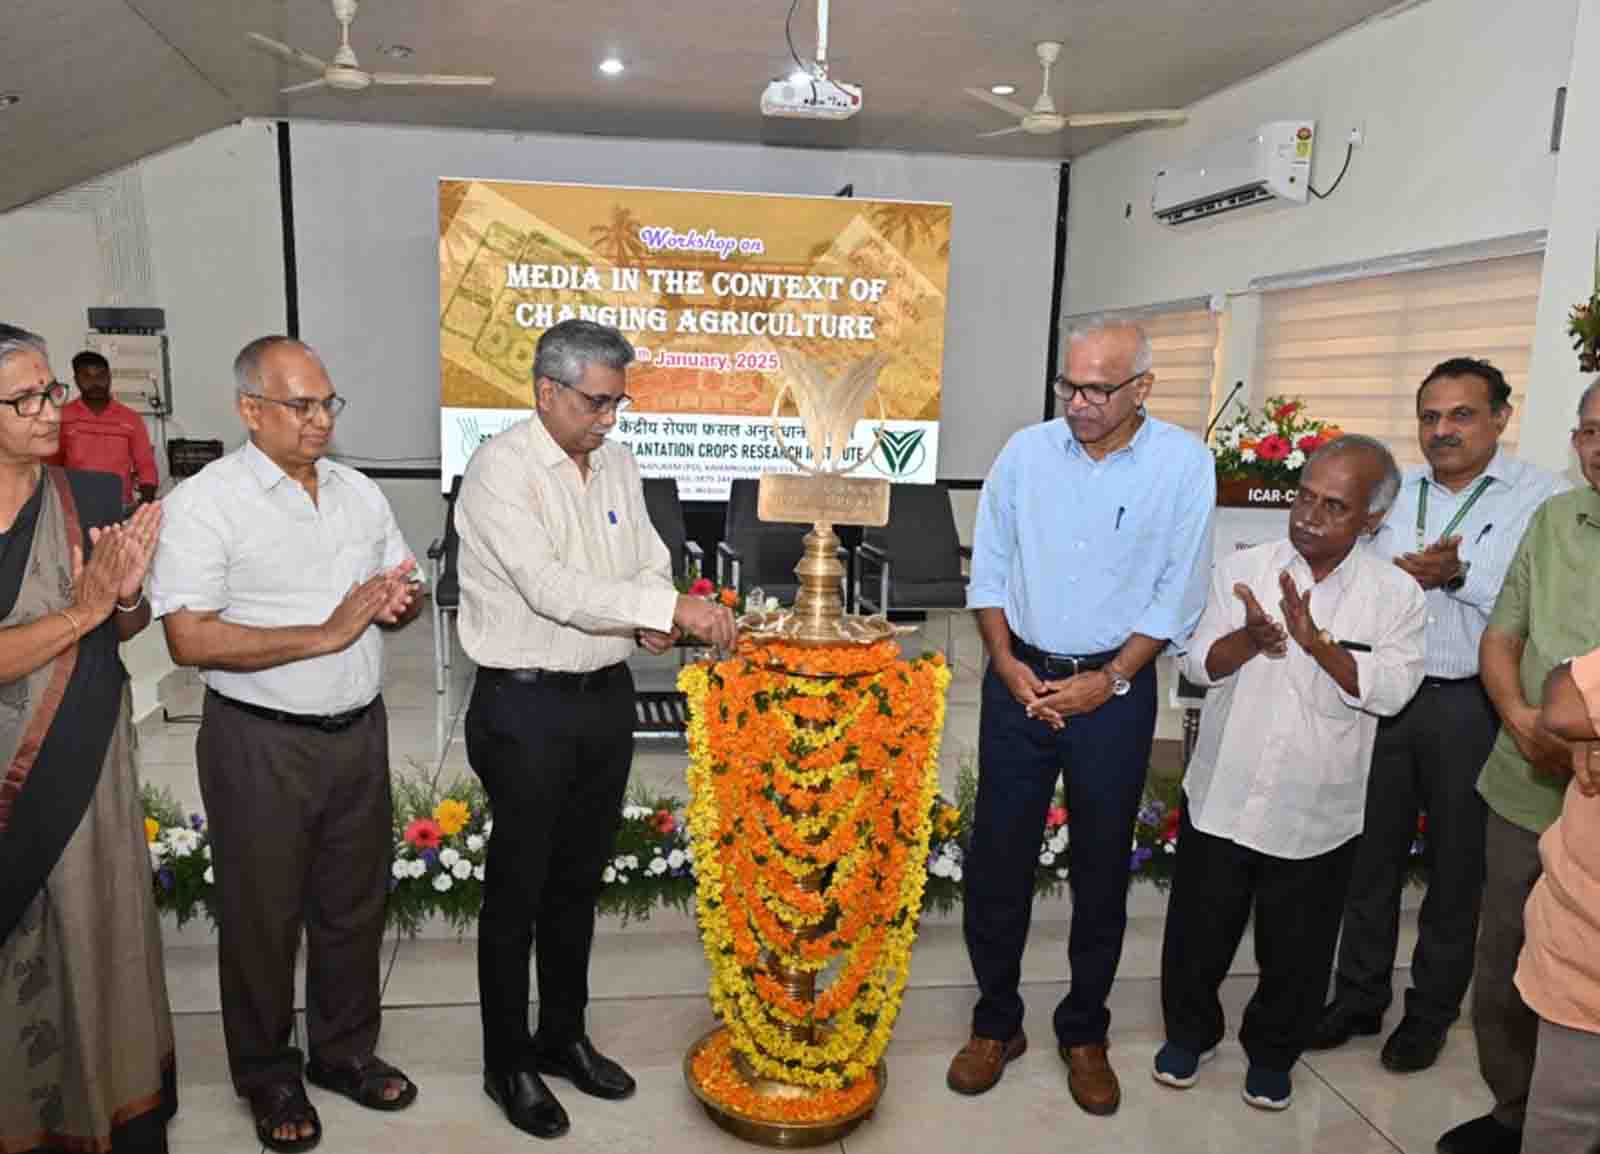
(1273, 162)
(811, 98)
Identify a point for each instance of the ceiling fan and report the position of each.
(1043, 119)
(345, 73)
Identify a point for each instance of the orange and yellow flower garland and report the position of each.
(810, 762)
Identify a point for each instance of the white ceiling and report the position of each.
(104, 82)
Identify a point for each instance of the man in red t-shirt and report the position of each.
(103, 435)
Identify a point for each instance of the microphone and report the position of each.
(1237, 385)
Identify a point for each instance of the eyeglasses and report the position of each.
(1095, 394)
(32, 404)
(303, 407)
(600, 405)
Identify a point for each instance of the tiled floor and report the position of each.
(649, 1005)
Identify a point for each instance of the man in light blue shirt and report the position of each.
(1454, 527)
(1092, 551)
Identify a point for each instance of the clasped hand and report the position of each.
(1052, 702)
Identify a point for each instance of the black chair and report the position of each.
(666, 514)
(446, 588)
(914, 563)
(760, 554)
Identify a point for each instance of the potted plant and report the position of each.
(1259, 456)
(1583, 325)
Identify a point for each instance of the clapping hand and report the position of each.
(1296, 608)
(1435, 566)
(138, 534)
(402, 591)
(1265, 634)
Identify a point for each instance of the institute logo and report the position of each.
(900, 453)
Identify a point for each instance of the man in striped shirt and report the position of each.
(1454, 528)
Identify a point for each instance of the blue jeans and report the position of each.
(1104, 757)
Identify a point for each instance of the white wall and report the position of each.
(1569, 255)
(1455, 97)
(366, 222)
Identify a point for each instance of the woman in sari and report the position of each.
(86, 1050)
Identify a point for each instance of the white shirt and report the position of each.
(1490, 533)
(557, 571)
(1283, 755)
(243, 538)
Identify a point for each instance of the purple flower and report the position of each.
(164, 876)
(1137, 860)
(430, 856)
(197, 822)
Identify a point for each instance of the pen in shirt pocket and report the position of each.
(1121, 509)
(1482, 533)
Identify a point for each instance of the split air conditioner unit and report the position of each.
(1271, 163)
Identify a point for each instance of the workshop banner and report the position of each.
(719, 293)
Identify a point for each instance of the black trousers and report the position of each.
(1218, 884)
(301, 822)
(1426, 760)
(1104, 756)
(555, 762)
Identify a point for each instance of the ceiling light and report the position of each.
(611, 66)
(1003, 89)
(397, 51)
(7, 99)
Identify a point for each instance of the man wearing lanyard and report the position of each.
(1092, 550)
(1454, 529)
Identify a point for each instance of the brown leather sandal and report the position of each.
(362, 1080)
(284, 1104)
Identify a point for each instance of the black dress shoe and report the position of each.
(586, 1068)
(1485, 1135)
(1339, 1024)
(527, 1101)
(1413, 1046)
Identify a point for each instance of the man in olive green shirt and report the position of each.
(1548, 612)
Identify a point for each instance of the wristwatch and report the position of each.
(1455, 583)
(1119, 684)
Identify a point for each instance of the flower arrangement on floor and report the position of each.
(1583, 324)
(652, 863)
(813, 772)
(1272, 446)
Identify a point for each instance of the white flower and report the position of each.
(609, 876)
(462, 870)
(633, 862)
(1248, 456)
(1295, 459)
(675, 859)
(401, 869)
(210, 876)
(1062, 874)
(623, 878)
(772, 605)
(1059, 842)
(477, 873)
(158, 854)
(1046, 858)
(442, 882)
(419, 868)
(181, 841)
(474, 843)
(941, 867)
(448, 857)
(1232, 436)
(205, 852)
(488, 827)
(658, 866)
(1170, 847)
(636, 812)
(955, 873)
(621, 863)
(1134, 846)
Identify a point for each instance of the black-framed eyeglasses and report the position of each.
(32, 404)
(303, 407)
(1094, 394)
(600, 405)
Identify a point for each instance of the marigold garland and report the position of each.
(812, 762)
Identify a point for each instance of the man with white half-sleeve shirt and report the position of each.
(275, 569)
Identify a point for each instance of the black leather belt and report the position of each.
(1449, 682)
(1061, 662)
(327, 723)
(587, 682)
